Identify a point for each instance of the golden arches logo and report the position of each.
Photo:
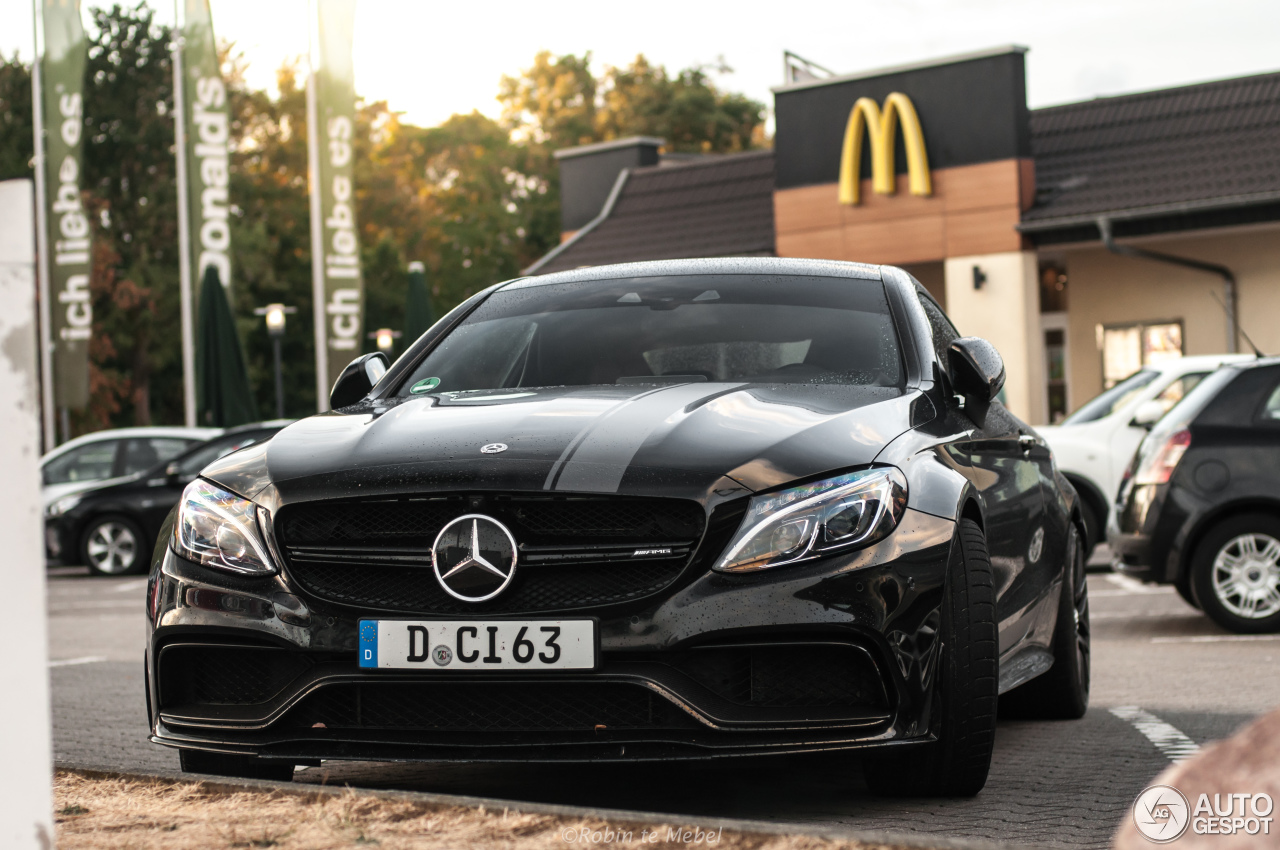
(882, 127)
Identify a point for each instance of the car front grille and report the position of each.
(487, 707)
(226, 675)
(783, 676)
(574, 552)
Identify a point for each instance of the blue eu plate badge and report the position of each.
(369, 643)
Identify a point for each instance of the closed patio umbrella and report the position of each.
(223, 395)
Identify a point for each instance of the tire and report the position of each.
(1093, 525)
(1062, 691)
(955, 765)
(1186, 591)
(1235, 574)
(113, 545)
(241, 767)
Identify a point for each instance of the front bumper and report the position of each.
(832, 654)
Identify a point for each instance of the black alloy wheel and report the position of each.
(956, 765)
(1062, 691)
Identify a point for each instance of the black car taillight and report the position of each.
(1156, 465)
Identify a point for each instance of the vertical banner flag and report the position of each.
(202, 130)
(335, 248)
(208, 130)
(66, 238)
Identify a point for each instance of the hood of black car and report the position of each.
(635, 440)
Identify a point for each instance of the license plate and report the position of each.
(478, 645)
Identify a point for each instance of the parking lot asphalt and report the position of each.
(1065, 783)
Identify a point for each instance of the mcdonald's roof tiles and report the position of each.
(717, 206)
(1208, 146)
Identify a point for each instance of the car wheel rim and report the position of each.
(1080, 603)
(112, 548)
(1246, 576)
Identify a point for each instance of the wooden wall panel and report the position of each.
(971, 187)
(974, 209)
(806, 208)
(983, 231)
(825, 244)
(918, 239)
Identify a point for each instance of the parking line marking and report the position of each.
(1213, 638)
(126, 586)
(72, 662)
(1176, 746)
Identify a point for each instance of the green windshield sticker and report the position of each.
(426, 385)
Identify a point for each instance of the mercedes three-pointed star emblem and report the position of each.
(474, 557)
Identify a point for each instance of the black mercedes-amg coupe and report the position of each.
(654, 511)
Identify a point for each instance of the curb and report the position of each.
(912, 841)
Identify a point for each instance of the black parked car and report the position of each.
(112, 528)
(641, 512)
(1199, 507)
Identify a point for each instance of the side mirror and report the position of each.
(976, 368)
(358, 379)
(1148, 414)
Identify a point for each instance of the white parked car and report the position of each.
(115, 453)
(1094, 445)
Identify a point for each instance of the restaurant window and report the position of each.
(1053, 287)
(1127, 348)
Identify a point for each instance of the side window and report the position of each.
(944, 333)
(1271, 410)
(1172, 394)
(87, 463)
(142, 454)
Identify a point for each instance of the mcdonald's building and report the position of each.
(1084, 240)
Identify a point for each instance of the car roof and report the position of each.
(1255, 363)
(1200, 361)
(134, 432)
(711, 265)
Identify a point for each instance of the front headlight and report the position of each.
(817, 519)
(61, 506)
(220, 530)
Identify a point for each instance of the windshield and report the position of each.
(755, 328)
(1113, 399)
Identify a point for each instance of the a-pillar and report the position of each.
(997, 297)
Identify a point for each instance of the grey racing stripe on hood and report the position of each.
(597, 458)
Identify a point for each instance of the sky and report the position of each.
(431, 59)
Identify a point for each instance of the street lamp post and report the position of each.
(275, 314)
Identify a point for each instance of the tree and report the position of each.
(686, 110)
(552, 102)
(129, 173)
(17, 141)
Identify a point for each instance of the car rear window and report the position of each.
(752, 328)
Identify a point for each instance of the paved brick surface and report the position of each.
(1055, 783)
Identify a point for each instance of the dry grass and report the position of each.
(134, 813)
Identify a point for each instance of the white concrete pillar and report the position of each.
(26, 785)
(1005, 311)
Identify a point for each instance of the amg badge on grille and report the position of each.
(474, 558)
